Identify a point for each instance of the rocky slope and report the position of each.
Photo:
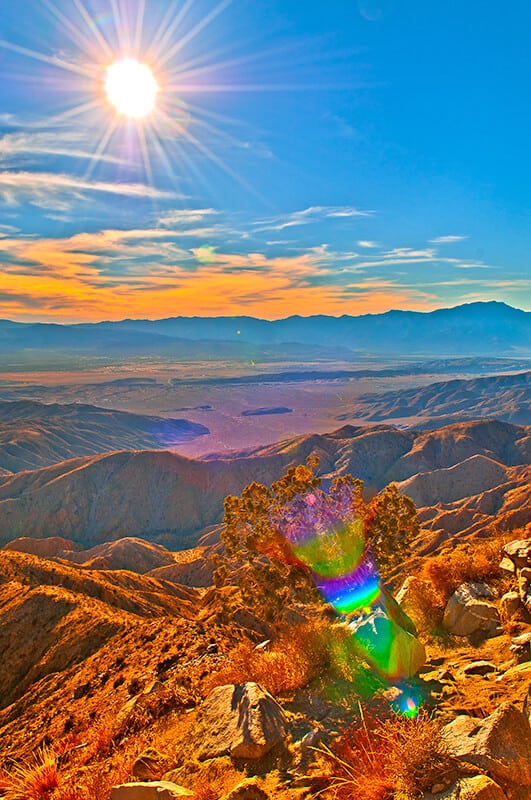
(36, 435)
(113, 672)
(506, 397)
(165, 497)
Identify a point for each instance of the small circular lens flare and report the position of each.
(131, 88)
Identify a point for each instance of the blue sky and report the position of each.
(340, 157)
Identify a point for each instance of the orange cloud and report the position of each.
(91, 277)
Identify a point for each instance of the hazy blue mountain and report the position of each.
(471, 328)
(475, 328)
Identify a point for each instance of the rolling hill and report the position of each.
(506, 397)
(36, 435)
(165, 497)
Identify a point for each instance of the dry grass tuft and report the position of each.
(376, 760)
(209, 780)
(290, 663)
(35, 779)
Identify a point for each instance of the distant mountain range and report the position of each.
(475, 328)
(167, 498)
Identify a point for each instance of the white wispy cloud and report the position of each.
(308, 216)
(447, 239)
(185, 216)
(368, 244)
(58, 190)
(26, 147)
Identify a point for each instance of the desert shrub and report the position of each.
(391, 524)
(379, 760)
(260, 523)
(468, 562)
(290, 663)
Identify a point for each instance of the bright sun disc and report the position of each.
(131, 88)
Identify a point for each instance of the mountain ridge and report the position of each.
(169, 498)
(469, 328)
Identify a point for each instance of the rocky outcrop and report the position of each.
(240, 720)
(518, 553)
(471, 611)
(499, 744)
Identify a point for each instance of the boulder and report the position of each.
(510, 605)
(243, 721)
(507, 567)
(524, 586)
(499, 744)
(395, 652)
(519, 552)
(470, 611)
(521, 647)
(154, 790)
(248, 789)
(411, 598)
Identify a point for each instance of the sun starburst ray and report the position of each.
(76, 111)
(54, 61)
(141, 10)
(100, 147)
(76, 34)
(93, 28)
(203, 65)
(193, 32)
(119, 26)
(144, 150)
(167, 29)
(215, 159)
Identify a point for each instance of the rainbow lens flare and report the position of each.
(326, 537)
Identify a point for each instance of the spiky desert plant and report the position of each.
(34, 779)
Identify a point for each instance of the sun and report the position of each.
(131, 88)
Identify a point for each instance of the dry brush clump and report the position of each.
(291, 662)
(395, 759)
(52, 774)
(467, 563)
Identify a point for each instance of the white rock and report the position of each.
(152, 790)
